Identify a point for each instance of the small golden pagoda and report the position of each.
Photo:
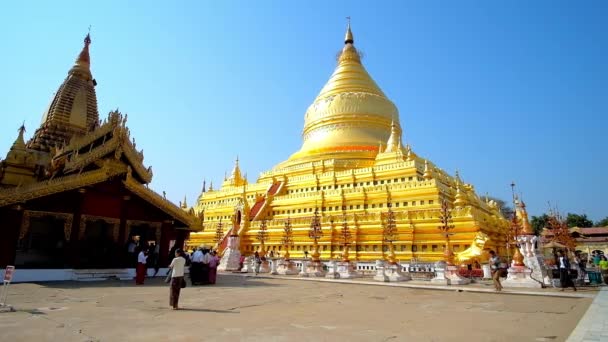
(352, 165)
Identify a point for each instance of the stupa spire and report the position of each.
(394, 141)
(348, 38)
(20, 141)
(82, 65)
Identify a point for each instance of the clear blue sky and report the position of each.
(501, 91)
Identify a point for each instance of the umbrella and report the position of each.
(554, 244)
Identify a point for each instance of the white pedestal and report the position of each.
(303, 272)
(265, 267)
(487, 271)
(232, 256)
(347, 270)
(315, 269)
(332, 270)
(273, 266)
(380, 274)
(519, 276)
(394, 273)
(247, 265)
(440, 270)
(454, 278)
(285, 267)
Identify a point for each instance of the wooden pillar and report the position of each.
(122, 233)
(11, 225)
(73, 249)
(165, 238)
(122, 230)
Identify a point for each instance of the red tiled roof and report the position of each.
(592, 230)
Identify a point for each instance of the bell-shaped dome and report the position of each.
(350, 116)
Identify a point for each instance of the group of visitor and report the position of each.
(203, 267)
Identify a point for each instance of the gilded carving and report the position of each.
(84, 219)
(29, 214)
(154, 225)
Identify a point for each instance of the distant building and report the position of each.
(587, 239)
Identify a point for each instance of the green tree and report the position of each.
(576, 220)
(602, 223)
(539, 223)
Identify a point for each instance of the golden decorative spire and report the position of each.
(460, 200)
(427, 172)
(19, 143)
(211, 186)
(184, 203)
(394, 141)
(522, 216)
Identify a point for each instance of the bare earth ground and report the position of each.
(254, 309)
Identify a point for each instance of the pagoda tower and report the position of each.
(73, 109)
(351, 167)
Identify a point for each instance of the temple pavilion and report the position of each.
(354, 170)
(76, 193)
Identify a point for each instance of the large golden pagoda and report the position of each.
(351, 167)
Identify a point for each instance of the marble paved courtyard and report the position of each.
(241, 308)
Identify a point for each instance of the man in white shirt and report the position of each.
(177, 278)
(196, 267)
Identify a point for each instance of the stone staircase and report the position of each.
(102, 274)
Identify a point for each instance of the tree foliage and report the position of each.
(539, 223)
(576, 220)
(602, 223)
(561, 233)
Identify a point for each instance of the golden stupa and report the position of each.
(351, 167)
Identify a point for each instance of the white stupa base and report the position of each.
(315, 269)
(286, 267)
(440, 274)
(380, 271)
(519, 276)
(303, 272)
(231, 259)
(247, 265)
(454, 278)
(394, 273)
(265, 266)
(273, 266)
(347, 270)
(332, 270)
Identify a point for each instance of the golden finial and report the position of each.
(460, 200)
(84, 57)
(20, 141)
(427, 173)
(184, 203)
(348, 38)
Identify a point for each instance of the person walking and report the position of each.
(177, 278)
(141, 269)
(564, 271)
(603, 265)
(495, 267)
(258, 262)
(214, 261)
